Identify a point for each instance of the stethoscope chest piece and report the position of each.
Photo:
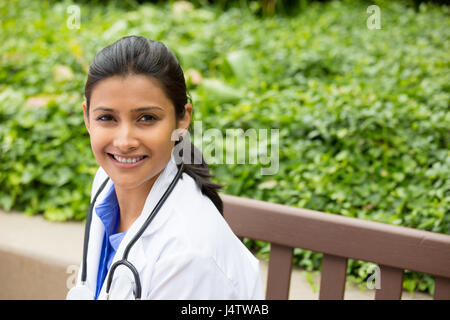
(80, 292)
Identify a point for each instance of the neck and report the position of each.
(131, 203)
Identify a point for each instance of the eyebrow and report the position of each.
(133, 110)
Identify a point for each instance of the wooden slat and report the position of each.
(391, 284)
(441, 288)
(279, 277)
(332, 279)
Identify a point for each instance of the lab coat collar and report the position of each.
(137, 254)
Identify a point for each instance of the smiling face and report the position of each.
(130, 118)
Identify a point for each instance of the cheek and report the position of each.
(161, 135)
(98, 142)
(159, 141)
(97, 152)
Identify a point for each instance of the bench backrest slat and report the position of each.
(279, 276)
(332, 278)
(391, 284)
(442, 288)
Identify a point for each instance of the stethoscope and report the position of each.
(82, 292)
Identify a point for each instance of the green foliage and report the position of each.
(363, 114)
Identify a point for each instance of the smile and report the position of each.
(127, 162)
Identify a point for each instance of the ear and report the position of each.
(86, 119)
(184, 122)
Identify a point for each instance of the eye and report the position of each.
(149, 117)
(105, 117)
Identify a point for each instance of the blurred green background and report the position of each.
(363, 114)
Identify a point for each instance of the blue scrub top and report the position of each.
(109, 213)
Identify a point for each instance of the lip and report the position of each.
(122, 165)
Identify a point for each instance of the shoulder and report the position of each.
(199, 224)
(196, 218)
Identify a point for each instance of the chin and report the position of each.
(127, 181)
(127, 185)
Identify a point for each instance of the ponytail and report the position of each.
(200, 173)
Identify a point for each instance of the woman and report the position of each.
(135, 101)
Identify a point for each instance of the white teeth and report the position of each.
(127, 160)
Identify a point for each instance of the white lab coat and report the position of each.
(187, 252)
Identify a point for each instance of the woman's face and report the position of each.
(117, 129)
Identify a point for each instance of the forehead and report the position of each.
(129, 92)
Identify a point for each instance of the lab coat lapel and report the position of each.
(95, 242)
(94, 248)
(137, 253)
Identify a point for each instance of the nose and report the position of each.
(125, 138)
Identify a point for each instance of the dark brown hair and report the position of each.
(141, 56)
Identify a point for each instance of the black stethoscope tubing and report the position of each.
(124, 260)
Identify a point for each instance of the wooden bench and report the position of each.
(392, 248)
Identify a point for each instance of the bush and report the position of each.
(363, 114)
